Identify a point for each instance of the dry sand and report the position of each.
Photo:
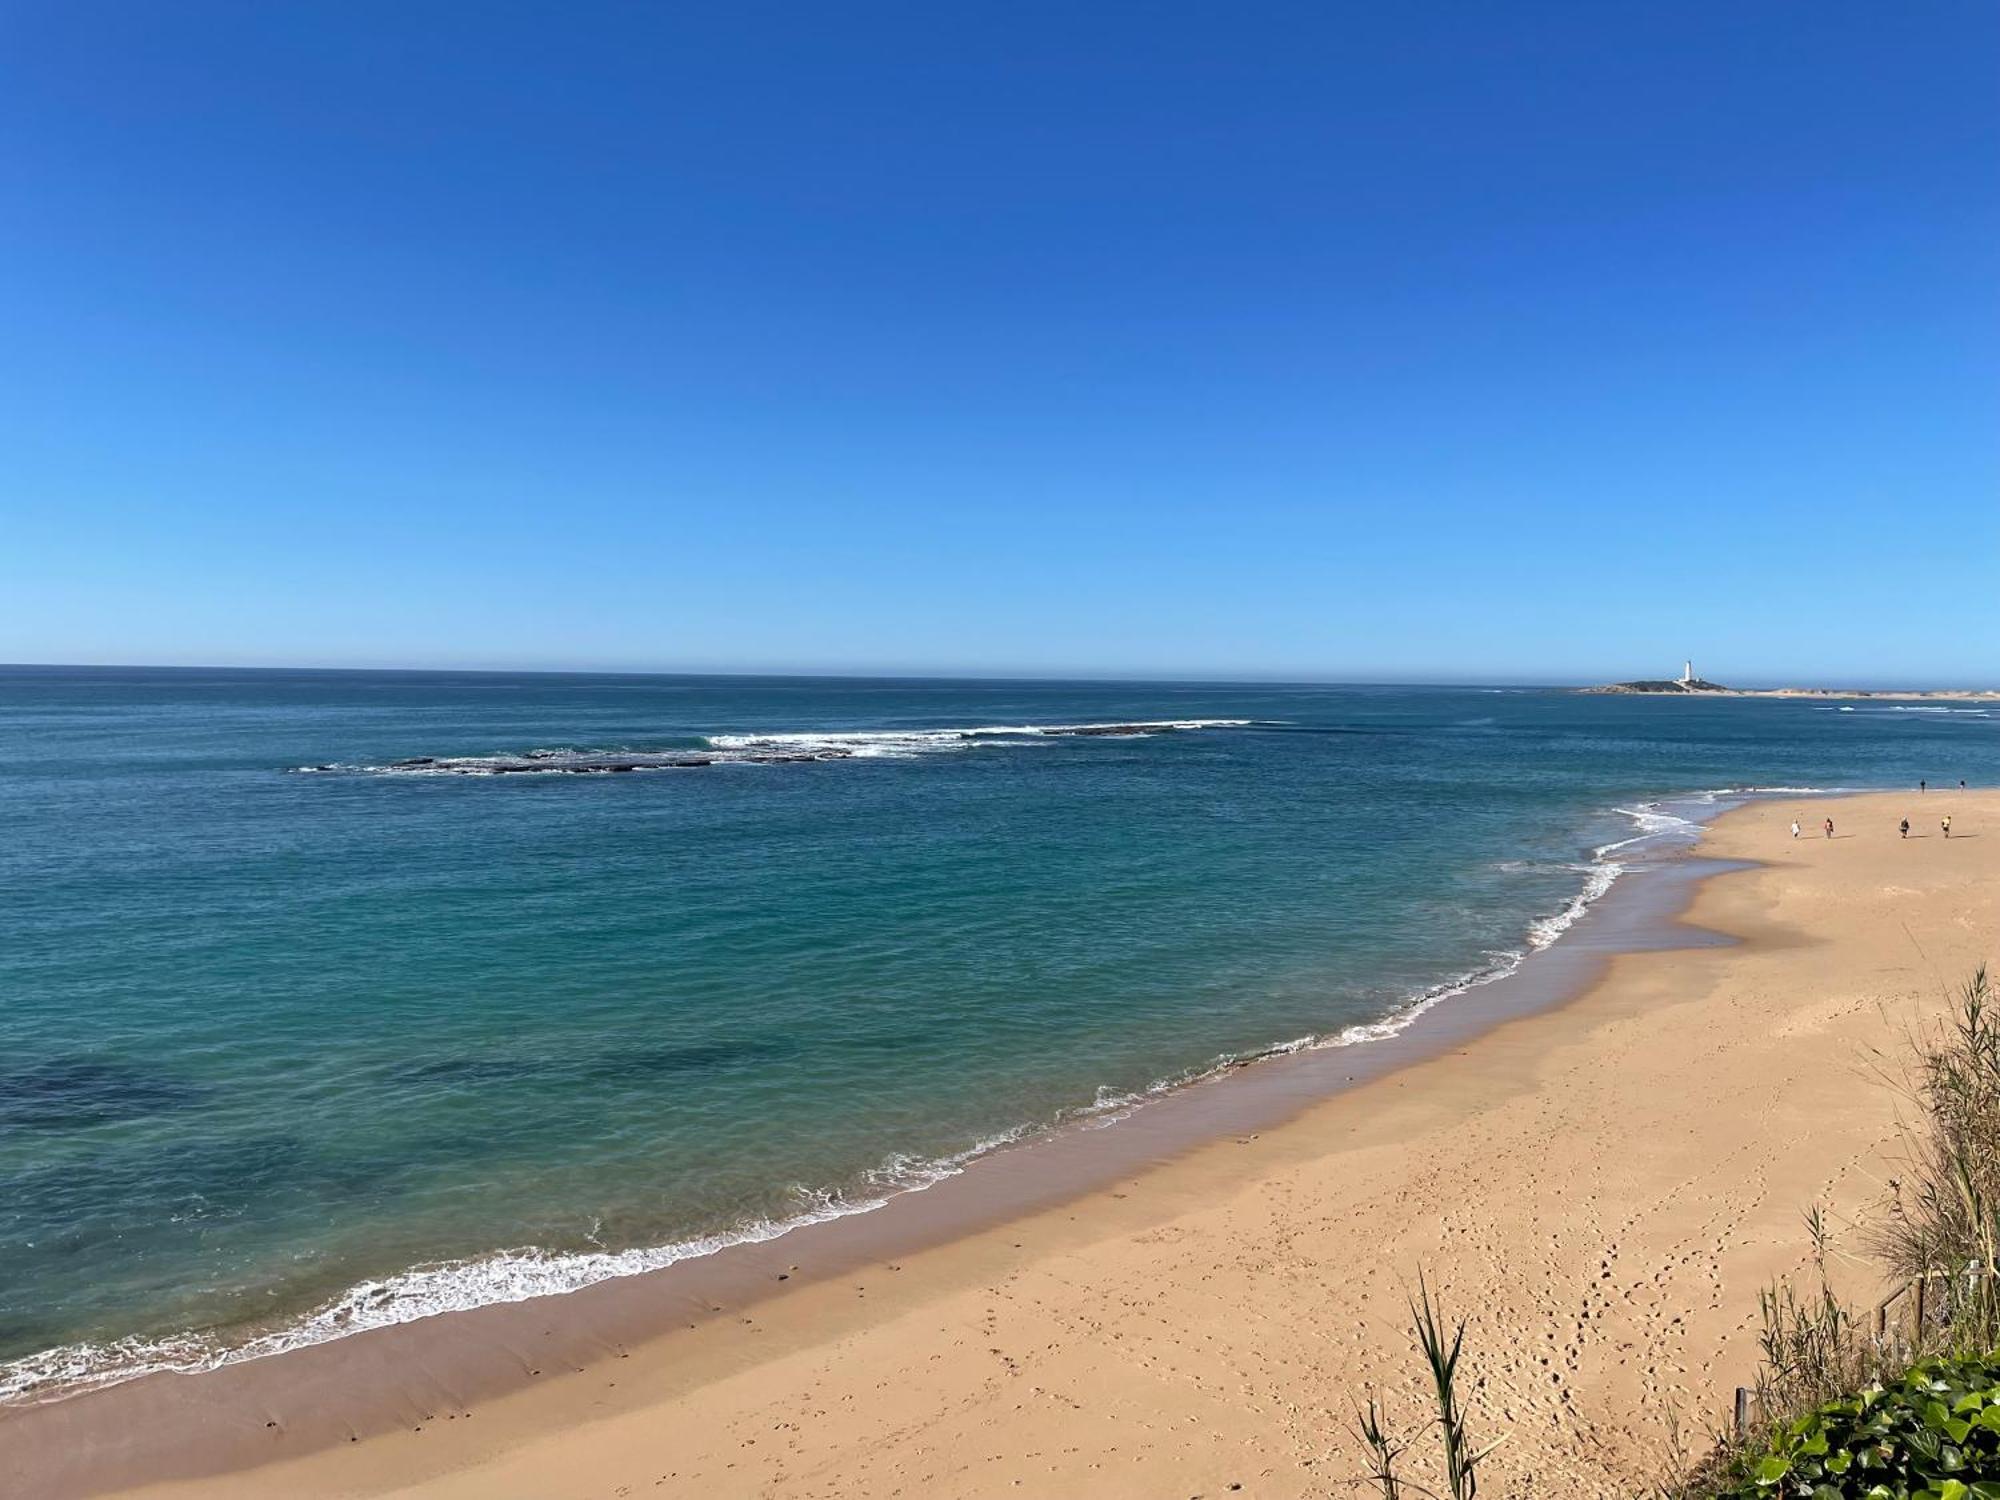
(1601, 1189)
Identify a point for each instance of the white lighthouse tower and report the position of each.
(1687, 674)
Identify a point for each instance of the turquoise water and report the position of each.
(271, 1034)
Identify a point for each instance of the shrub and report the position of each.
(1933, 1434)
(1813, 1351)
(1944, 1209)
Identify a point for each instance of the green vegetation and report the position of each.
(1903, 1406)
(1932, 1434)
(1461, 1461)
(1662, 685)
(1925, 1424)
(1812, 1348)
(1942, 1231)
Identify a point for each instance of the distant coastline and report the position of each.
(1700, 688)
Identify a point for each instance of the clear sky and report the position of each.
(1518, 341)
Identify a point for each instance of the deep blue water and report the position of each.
(268, 1034)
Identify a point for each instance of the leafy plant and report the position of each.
(1933, 1434)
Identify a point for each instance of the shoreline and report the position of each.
(1661, 840)
(426, 1374)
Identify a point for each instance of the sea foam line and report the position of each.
(773, 748)
(516, 1275)
(959, 734)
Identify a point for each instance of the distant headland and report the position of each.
(1688, 682)
(1662, 685)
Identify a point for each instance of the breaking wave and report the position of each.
(515, 1275)
(773, 749)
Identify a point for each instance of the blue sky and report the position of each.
(1534, 342)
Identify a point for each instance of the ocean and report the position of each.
(330, 999)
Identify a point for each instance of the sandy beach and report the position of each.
(1601, 1188)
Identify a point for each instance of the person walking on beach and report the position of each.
(1906, 828)
(1795, 828)
(1947, 825)
(1829, 828)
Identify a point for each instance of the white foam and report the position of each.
(513, 1275)
(908, 742)
(427, 1291)
(516, 1275)
(1716, 794)
(802, 745)
(1653, 824)
(1545, 930)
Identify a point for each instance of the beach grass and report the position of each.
(1942, 1230)
(1459, 1455)
(1845, 1407)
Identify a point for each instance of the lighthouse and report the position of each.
(1687, 674)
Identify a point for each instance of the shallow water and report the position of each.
(270, 1033)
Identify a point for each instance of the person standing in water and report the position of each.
(1906, 827)
(1923, 786)
(1829, 828)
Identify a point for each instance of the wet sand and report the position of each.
(1197, 1297)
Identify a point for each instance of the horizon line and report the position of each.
(1756, 682)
